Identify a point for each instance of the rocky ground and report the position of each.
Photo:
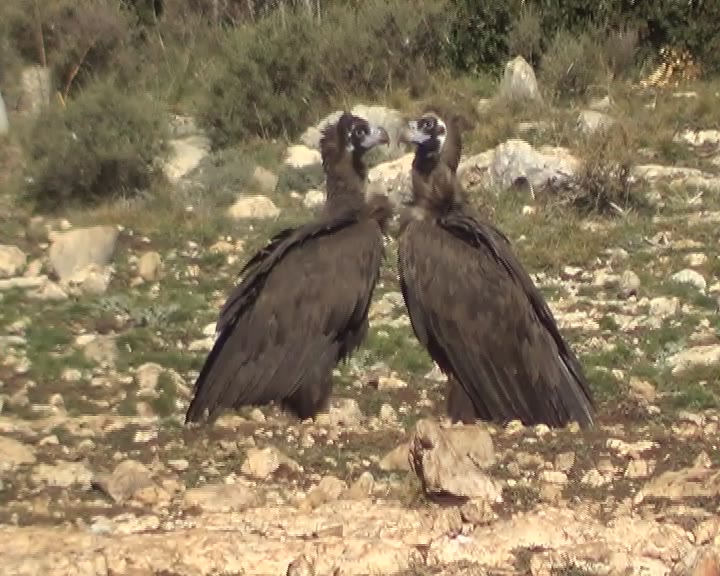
(105, 318)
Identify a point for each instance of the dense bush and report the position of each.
(104, 144)
(478, 33)
(690, 24)
(484, 32)
(74, 38)
(288, 70)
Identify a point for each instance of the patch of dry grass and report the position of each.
(603, 182)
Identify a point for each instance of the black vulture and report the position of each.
(474, 307)
(302, 304)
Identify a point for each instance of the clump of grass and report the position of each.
(521, 497)
(499, 122)
(164, 404)
(300, 179)
(397, 347)
(603, 183)
(526, 34)
(620, 49)
(572, 66)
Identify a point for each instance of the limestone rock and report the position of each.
(704, 561)
(14, 453)
(222, 497)
(98, 348)
(343, 412)
(253, 207)
(185, 155)
(265, 181)
(590, 121)
(128, 478)
(519, 82)
(300, 156)
(91, 280)
(392, 179)
(150, 266)
(313, 199)
(692, 277)
(693, 482)
(362, 487)
(396, 459)
(75, 250)
(450, 463)
(515, 161)
(629, 283)
(36, 86)
(12, 261)
(708, 355)
(148, 376)
(663, 307)
(62, 474)
(4, 124)
(261, 463)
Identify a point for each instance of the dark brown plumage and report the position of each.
(475, 308)
(302, 304)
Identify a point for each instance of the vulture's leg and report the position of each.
(311, 398)
(459, 405)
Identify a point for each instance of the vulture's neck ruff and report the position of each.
(429, 134)
(342, 147)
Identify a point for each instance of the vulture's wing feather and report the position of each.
(482, 319)
(466, 227)
(259, 265)
(301, 307)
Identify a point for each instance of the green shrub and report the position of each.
(692, 25)
(300, 179)
(10, 58)
(288, 70)
(688, 24)
(571, 66)
(73, 37)
(105, 143)
(478, 34)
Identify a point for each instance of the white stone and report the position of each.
(253, 207)
(300, 156)
(12, 261)
(519, 81)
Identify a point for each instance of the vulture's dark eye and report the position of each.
(440, 130)
(360, 131)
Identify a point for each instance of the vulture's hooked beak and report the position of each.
(377, 135)
(413, 135)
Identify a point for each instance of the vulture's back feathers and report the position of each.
(478, 313)
(301, 305)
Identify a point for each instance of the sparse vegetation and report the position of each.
(572, 66)
(604, 179)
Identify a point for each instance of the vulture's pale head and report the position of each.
(359, 135)
(351, 135)
(428, 133)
